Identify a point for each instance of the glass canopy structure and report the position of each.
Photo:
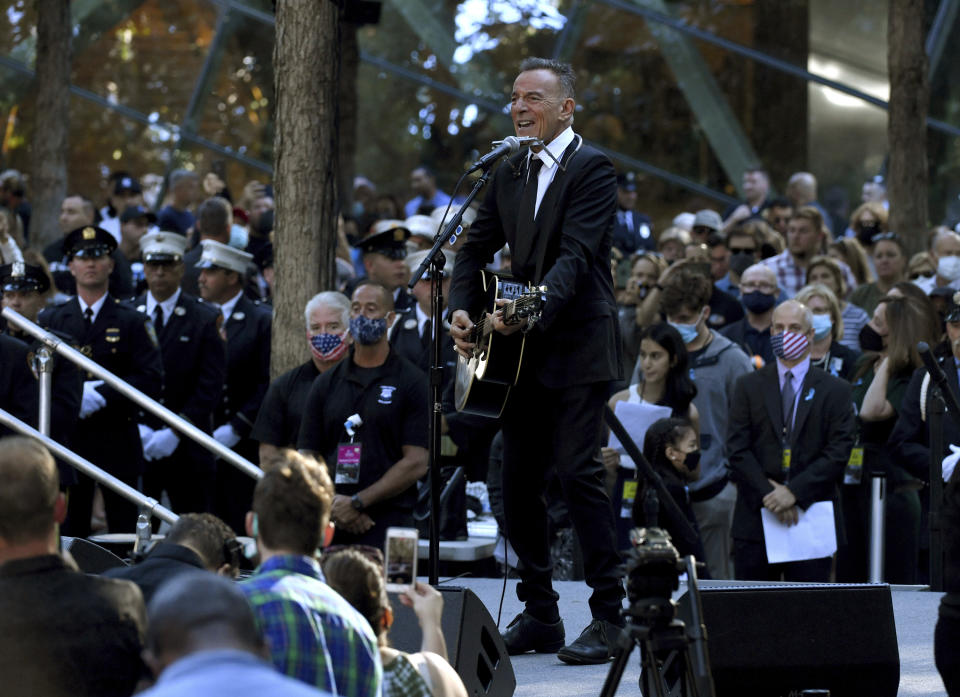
(686, 93)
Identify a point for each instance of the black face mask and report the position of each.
(692, 460)
(870, 340)
(866, 233)
(741, 261)
(758, 302)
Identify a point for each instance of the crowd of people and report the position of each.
(777, 347)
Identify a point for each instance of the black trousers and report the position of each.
(545, 431)
(946, 650)
(233, 491)
(750, 564)
(188, 477)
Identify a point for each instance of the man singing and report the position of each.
(555, 207)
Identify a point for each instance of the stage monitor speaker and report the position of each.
(474, 644)
(780, 640)
(90, 557)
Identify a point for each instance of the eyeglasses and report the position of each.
(743, 250)
(918, 274)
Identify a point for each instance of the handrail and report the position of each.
(133, 394)
(90, 469)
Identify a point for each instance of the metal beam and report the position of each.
(939, 33)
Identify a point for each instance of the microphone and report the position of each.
(937, 375)
(507, 146)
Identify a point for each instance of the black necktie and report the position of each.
(426, 338)
(788, 395)
(525, 214)
(88, 317)
(158, 318)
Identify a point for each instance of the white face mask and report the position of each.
(949, 268)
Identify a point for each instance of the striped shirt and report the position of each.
(314, 634)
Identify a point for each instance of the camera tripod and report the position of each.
(673, 657)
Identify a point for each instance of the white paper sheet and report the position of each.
(813, 537)
(636, 418)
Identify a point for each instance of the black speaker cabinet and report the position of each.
(780, 640)
(90, 557)
(474, 644)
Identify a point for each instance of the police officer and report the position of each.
(25, 289)
(18, 386)
(194, 368)
(384, 251)
(410, 336)
(246, 327)
(378, 460)
(123, 341)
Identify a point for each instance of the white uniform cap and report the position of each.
(414, 260)
(422, 225)
(163, 246)
(224, 256)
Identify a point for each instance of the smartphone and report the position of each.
(401, 558)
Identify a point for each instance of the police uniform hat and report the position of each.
(20, 276)
(89, 242)
(387, 237)
(223, 256)
(127, 184)
(953, 308)
(162, 246)
(415, 259)
(134, 212)
(421, 226)
(627, 181)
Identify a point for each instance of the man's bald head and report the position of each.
(792, 316)
(198, 611)
(758, 273)
(945, 243)
(802, 188)
(29, 489)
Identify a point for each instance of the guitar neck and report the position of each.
(483, 328)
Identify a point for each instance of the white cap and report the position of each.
(684, 220)
(224, 256)
(439, 220)
(422, 225)
(414, 260)
(163, 246)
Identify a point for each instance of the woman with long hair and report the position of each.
(423, 674)
(890, 356)
(664, 381)
(853, 254)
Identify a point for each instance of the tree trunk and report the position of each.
(350, 64)
(48, 155)
(909, 97)
(306, 69)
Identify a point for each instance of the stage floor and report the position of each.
(538, 675)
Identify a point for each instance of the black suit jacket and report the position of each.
(18, 386)
(165, 561)
(577, 340)
(820, 442)
(67, 634)
(123, 341)
(248, 366)
(194, 360)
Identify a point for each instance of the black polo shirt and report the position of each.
(392, 401)
(278, 421)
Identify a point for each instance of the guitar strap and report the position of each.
(542, 241)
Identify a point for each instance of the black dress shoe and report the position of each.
(527, 633)
(596, 644)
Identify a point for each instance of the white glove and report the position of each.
(161, 444)
(92, 400)
(146, 433)
(225, 435)
(950, 462)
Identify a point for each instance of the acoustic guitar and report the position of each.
(484, 379)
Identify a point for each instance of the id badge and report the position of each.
(348, 463)
(629, 494)
(853, 474)
(785, 463)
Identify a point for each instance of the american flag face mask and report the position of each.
(327, 347)
(789, 345)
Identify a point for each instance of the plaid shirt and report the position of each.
(314, 634)
(791, 278)
(402, 679)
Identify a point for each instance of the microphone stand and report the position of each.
(436, 260)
